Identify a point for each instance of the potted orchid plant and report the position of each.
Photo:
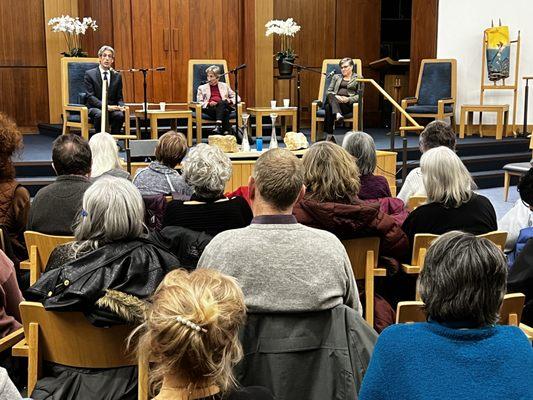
(73, 28)
(285, 29)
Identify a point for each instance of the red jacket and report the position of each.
(358, 219)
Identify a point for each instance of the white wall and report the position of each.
(460, 35)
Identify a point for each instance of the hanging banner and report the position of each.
(498, 52)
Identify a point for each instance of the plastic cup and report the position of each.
(162, 106)
(259, 144)
(286, 103)
(273, 104)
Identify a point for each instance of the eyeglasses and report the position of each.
(110, 56)
(345, 66)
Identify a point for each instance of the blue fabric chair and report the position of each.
(435, 92)
(75, 112)
(317, 106)
(197, 77)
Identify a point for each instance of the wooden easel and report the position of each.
(502, 86)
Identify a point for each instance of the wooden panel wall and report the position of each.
(424, 25)
(333, 29)
(23, 79)
(55, 45)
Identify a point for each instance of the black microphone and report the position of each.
(286, 62)
(331, 74)
(160, 68)
(240, 67)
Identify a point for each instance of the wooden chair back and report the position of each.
(40, 246)
(197, 73)
(410, 311)
(414, 201)
(332, 64)
(511, 309)
(69, 339)
(363, 254)
(420, 246)
(497, 237)
(427, 62)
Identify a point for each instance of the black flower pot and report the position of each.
(285, 70)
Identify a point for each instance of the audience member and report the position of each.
(161, 177)
(437, 133)
(361, 146)
(206, 170)
(521, 215)
(521, 280)
(8, 391)
(281, 265)
(106, 161)
(331, 177)
(110, 257)
(451, 204)
(191, 335)
(10, 297)
(14, 198)
(56, 206)
(459, 352)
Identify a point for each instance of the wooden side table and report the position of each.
(467, 113)
(283, 112)
(155, 115)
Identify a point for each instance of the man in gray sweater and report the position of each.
(281, 265)
(56, 206)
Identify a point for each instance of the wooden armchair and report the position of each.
(317, 111)
(73, 97)
(198, 76)
(436, 91)
(410, 311)
(414, 201)
(68, 338)
(40, 246)
(420, 248)
(363, 254)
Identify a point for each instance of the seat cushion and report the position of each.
(206, 117)
(421, 109)
(321, 113)
(74, 117)
(517, 167)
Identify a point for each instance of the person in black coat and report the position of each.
(93, 81)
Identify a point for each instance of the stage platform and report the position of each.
(484, 157)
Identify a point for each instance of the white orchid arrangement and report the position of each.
(72, 28)
(285, 29)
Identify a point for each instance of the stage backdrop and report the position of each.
(460, 35)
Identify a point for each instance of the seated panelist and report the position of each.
(341, 95)
(217, 99)
(93, 81)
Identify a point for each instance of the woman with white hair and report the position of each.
(452, 203)
(105, 160)
(362, 147)
(217, 99)
(206, 170)
(109, 255)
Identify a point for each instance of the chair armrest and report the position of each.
(380, 272)
(314, 107)
(409, 100)
(20, 349)
(195, 106)
(411, 269)
(10, 340)
(442, 102)
(83, 110)
(127, 122)
(25, 264)
(241, 107)
(317, 103)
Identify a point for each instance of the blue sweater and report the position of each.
(431, 361)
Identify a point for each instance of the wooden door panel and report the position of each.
(161, 49)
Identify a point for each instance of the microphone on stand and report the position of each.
(330, 75)
(160, 69)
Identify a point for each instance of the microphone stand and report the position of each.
(299, 85)
(145, 96)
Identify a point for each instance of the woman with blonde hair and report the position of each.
(452, 203)
(105, 159)
(331, 177)
(191, 336)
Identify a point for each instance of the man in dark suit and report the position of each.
(93, 85)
